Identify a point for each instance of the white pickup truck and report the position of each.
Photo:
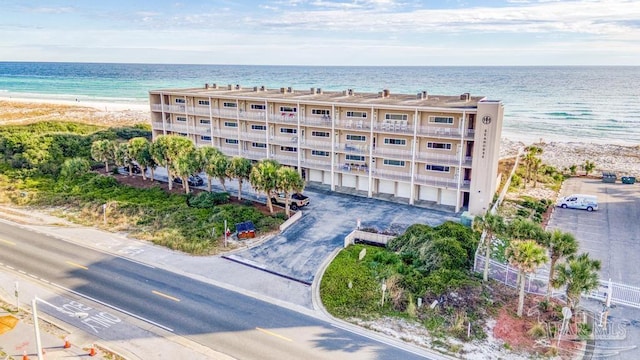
(297, 200)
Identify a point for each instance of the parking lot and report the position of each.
(298, 251)
(611, 234)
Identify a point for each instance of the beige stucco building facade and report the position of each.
(420, 148)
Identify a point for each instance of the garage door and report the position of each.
(428, 193)
(387, 187)
(349, 181)
(448, 197)
(404, 190)
(363, 183)
(315, 175)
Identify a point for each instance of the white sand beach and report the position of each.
(621, 159)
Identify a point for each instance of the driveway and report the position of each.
(299, 251)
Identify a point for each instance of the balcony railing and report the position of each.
(397, 127)
(445, 132)
(352, 124)
(288, 118)
(254, 154)
(285, 159)
(284, 140)
(229, 151)
(248, 135)
(351, 148)
(317, 164)
(352, 168)
(395, 153)
(315, 145)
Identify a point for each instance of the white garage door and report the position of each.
(404, 190)
(448, 197)
(349, 181)
(315, 175)
(428, 193)
(387, 187)
(363, 183)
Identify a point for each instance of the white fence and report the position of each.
(366, 236)
(536, 283)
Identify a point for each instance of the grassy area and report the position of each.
(30, 162)
(426, 263)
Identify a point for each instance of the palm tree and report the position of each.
(521, 229)
(139, 150)
(121, 154)
(526, 256)
(490, 224)
(535, 167)
(588, 166)
(186, 164)
(239, 168)
(159, 150)
(101, 150)
(288, 181)
(529, 160)
(579, 274)
(264, 177)
(560, 245)
(209, 156)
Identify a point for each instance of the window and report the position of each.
(259, 145)
(180, 101)
(401, 142)
(357, 114)
(289, 109)
(439, 146)
(438, 168)
(354, 157)
(402, 117)
(229, 104)
(231, 141)
(230, 124)
(257, 107)
(288, 131)
(183, 134)
(356, 137)
(320, 134)
(319, 153)
(181, 118)
(205, 121)
(204, 137)
(322, 112)
(203, 102)
(441, 120)
(393, 162)
(288, 148)
(259, 127)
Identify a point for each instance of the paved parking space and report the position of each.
(611, 234)
(299, 250)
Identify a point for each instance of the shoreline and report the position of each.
(609, 155)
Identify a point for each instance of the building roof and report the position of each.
(316, 95)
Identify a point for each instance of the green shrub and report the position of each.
(207, 200)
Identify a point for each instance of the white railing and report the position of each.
(255, 155)
(405, 154)
(284, 140)
(248, 135)
(314, 144)
(352, 124)
(289, 118)
(352, 148)
(324, 121)
(285, 159)
(350, 167)
(317, 164)
(395, 127)
(437, 158)
(229, 151)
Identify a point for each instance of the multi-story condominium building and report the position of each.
(422, 148)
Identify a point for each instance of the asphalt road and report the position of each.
(240, 326)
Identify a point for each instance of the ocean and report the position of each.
(599, 104)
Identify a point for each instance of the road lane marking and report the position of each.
(273, 334)
(7, 242)
(77, 265)
(166, 296)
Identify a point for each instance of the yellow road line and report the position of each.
(7, 242)
(273, 334)
(77, 265)
(166, 296)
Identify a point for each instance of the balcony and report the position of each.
(392, 153)
(254, 154)
(447, 133)
(284, 140)
(229, 151)
(285, 159)
(232, 134)
(203, 129)
(286, 118)
(440, 182)
(315, 145)
(391, 175)
(317, 164)
(351, 148)
(178, 127)
(157, 125)
(352, 168)
(397, 127)
(249, 135)
(322, 121)
(352, 124)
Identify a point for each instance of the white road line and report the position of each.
(113, 307)
(33, 276)
(22, 272)
(11, 267)
(379, 339)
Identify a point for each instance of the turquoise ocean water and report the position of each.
(586, 104)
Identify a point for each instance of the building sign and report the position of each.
(485, 120)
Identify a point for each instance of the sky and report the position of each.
(324, 32)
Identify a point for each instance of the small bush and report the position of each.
(537, 331)
(207, 200)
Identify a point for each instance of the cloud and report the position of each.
(50, 10)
